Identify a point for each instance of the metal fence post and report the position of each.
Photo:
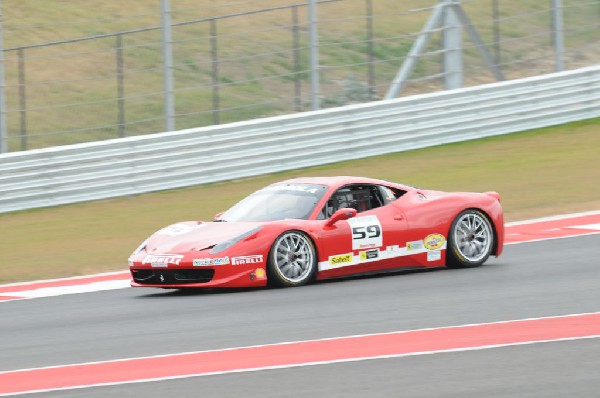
(3, 126)
(370, 52)
(314, 55)
(557, 34)
(496, 30)
(296, 55)
(120, 87)
(452, 44)
(215, 71)
(22, 99)
(167, 65)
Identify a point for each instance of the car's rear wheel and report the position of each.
(292, 260)
(470, 241)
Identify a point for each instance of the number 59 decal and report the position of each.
(366, 232)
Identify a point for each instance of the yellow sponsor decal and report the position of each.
(434, 241)
(340, 259)
(260, 273)
(369, 254)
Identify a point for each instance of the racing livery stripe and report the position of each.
(389, 253)
(303, 353)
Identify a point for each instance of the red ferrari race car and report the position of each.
(305, 229)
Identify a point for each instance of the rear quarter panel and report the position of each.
(434, 211)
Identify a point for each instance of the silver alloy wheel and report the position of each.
(473, 236)
(293, 257)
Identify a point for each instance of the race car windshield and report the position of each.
(277, 202)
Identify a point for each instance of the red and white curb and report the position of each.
(302, 353)
(557, 227)
(59, 287)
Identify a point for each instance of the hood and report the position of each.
(191, 235)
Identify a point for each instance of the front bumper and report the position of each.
(155, 276)
(177, 278)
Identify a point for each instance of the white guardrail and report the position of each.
(134, 165)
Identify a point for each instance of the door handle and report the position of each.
(399, 217)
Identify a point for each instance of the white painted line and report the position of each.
(304, 364)
(71, 278)
(551, 238)
(62, 290)
(595, 227)
(553, 218)
(292, 342)
(301, 365)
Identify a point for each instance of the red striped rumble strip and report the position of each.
(303, 353)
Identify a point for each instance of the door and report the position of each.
(370, 241)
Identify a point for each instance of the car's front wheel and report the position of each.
(470, 241)
(292, 260)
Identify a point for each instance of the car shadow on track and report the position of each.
(184, 292)
(382, 274)
(165, 293)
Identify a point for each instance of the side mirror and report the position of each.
(341, 214)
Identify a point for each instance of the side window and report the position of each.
(358, 197)
(390, 194)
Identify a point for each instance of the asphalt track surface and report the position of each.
(530, 280)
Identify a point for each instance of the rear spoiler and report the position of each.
(493, 194)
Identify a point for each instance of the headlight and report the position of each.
(141, 247)
(219, 247)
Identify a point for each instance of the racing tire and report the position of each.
(470, 240)
(292, 260)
